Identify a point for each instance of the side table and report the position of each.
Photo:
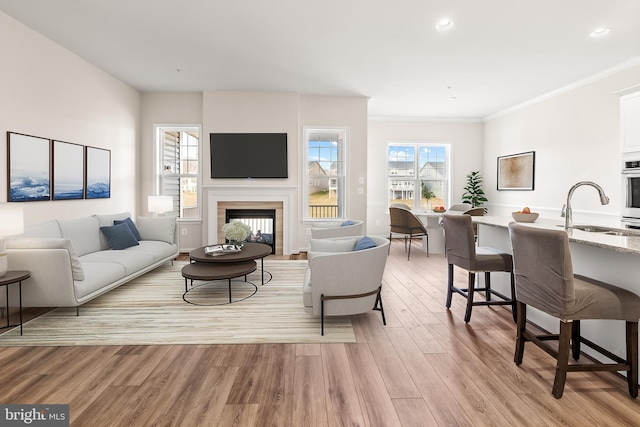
(8, 279)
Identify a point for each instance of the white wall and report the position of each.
(47, 91)
(466, 142)
(575, 135)
(168, 109)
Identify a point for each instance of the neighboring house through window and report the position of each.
(178, 155)
(324, 195)
(418, 174)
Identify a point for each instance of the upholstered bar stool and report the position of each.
(462, 251)
(545, 280)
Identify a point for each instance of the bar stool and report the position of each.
(462, 251)
(545, 280)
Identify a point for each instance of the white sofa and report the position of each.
(347, 279)
(71, 261)
(327, 229)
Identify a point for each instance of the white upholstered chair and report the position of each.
(323, 230)
(342, 281)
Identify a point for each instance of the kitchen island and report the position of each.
(610, 258)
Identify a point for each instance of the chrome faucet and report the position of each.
(568, 218)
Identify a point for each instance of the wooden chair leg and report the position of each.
(564, 346)
(470, 292)
(520, 330)
(487, 285)
(575, 340)
(449, 286)
(514, 306)
(632, 357)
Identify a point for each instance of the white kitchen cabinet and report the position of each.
(630, 122)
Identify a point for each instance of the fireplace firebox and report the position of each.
(261, 221)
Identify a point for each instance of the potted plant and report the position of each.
(473, 193)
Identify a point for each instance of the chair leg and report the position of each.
(449, 286)
(389, 250)
(487, 285)
(322, 314)
(378, 306)
(575, 340)
(564, 345)
(470, 291)
(520, 330)
(410, 240)
(426, 236)
(514, 306)
(632, 358)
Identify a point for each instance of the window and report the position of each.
(324, 196)
(179, 166)
(418, 174)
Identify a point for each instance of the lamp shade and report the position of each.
(11, 219)
(160, 204)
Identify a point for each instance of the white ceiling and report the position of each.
(499, 53)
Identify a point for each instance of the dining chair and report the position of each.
(403, 221)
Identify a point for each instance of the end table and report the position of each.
(8, 279)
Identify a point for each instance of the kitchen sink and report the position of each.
(606, 230)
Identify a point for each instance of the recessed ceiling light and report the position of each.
(444, 24)
(599, 32)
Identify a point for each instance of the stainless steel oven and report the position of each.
(631, 191)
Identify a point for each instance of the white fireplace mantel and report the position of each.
(286, 195)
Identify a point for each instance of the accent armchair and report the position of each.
(325, 230)
(343, 281)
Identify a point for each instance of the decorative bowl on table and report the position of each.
(524, 217)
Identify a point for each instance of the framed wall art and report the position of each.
(68, 171)
(517, 171)
(98, 180)
(28, 168)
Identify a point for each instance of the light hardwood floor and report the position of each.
(426, 367)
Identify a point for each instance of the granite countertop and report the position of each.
(626, 244)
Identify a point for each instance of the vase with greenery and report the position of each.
(473, 193)
(427, 194)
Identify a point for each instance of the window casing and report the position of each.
(418, 174)
(179, 166)
(324, 169)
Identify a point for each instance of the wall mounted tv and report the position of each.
(248, 155)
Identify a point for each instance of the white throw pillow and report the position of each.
(157, 228)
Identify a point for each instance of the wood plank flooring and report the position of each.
(426, 367)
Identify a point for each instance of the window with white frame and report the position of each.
(179, 164)
(324, 195)
(418, 174)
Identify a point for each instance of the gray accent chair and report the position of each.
(403, 221)
(462, 252)
(341, 281)
(545, 281)
(460, 207)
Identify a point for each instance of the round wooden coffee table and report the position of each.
(209, 272)
(250, 251)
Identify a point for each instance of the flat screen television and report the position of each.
(248, 155)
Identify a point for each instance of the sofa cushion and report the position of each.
(84, 234)
(330, 245)
(46, 229)
(347, 223)
(158, 250)
(131, 225)
(364, 243)
(157, 228)
(131, 261)
(98, 275)
(119, 236)
(106, 220)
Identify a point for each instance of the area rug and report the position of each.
(151, 310)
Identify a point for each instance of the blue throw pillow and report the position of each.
(131, 225)
(364, 243)
(119, 236)
(347, 222)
